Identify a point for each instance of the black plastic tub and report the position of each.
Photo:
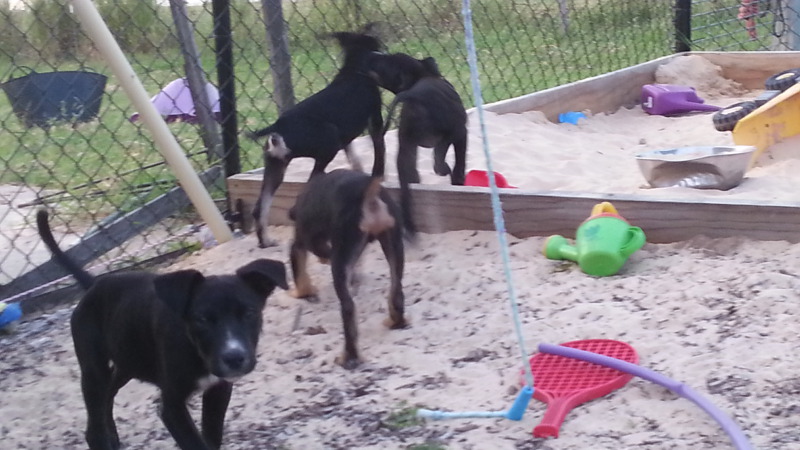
(46, 99)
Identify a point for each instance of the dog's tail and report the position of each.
(375, 215)
(255, 135)
(84, 278)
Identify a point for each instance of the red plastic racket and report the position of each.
(564, 383)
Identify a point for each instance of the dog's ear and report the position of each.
(431, 65)
(262, 275)
(177, 288)
(351, 42)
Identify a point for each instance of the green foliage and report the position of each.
(404, 417)
(132, 22)
(12, 39)
(54, 30)
(427, 446)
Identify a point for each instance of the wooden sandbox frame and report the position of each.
(538, 213)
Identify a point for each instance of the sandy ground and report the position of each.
(718, 315)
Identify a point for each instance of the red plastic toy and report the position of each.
(481, 178)
(564, 383)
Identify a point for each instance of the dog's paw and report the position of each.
(395, 324)
(309, 295)
(348, 363)
(354, 283)
(441, 169)
(267, 243)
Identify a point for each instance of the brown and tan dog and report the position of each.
(336, 215)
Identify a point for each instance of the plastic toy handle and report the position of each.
(557, 411)
(604, 207)
(636, 239)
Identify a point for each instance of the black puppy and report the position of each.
(336, 215)
(432, 116)
(321, 125)
(181, 331)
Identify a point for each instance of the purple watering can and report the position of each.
(670, 99)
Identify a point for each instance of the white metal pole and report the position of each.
(166, 143)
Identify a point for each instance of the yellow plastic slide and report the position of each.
(771, 123)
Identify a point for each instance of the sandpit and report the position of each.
(719, 315)
(597, 155)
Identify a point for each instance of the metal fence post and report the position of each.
(209, 131)
(280, 60)
(227, 88)
(683, 25)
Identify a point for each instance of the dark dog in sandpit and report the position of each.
(321, 125)
(336, 215)
(181, 331)
(432, 116)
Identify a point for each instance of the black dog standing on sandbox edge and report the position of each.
(181, 331)
(432, 116)
(336, 215)
(321, 125)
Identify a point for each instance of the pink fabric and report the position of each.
(748, 10)
(174, 102)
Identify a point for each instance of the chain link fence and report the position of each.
(71, 140)
(745, 25)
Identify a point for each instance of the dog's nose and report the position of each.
(234, 359)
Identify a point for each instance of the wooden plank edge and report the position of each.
(621, 88)
(447, 208)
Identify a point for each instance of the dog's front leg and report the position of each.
(215, 404)
(274, 171)
(303, 287)
(378, 143)
(179, 423)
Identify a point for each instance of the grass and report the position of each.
(404, 417)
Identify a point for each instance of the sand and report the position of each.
(717, 315)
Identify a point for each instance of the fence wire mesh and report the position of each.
(745, 25)
(87, 158)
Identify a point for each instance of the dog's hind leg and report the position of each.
(345, 254)
(274, 171)
(440, 166)
(303, 288)
(97, 384)
(460, 167)
(392, 245)
(117, 382)
(407, 173)
(378, 143)
(407, 160)
(215, 403)
(321, 247)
